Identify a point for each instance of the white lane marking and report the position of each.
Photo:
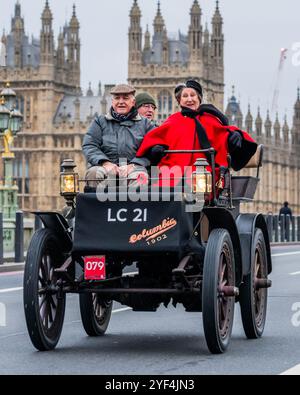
(287, 253)
(3, 291)
(67, 323)
(295, 371)
(294, 274)
(121, 310)
(7, 290)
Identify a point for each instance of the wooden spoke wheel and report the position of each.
(218, 291)
(44, 306)
(254, 292)
(95, 313)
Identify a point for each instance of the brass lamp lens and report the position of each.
(202, 183)
(68, 183)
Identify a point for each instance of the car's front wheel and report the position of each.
(44, 305)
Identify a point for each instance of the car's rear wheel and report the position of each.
(95, 313)
(253, 297)
(44, 306)
(218, 284)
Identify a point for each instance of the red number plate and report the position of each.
(94, 268)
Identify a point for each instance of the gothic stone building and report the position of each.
(280, 174)
(159, 64)
(46, 77)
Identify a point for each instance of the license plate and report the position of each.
(94, 268)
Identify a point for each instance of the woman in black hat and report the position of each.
(197, 126)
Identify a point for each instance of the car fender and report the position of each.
(58, 224)
(246, 224)
(222, 218)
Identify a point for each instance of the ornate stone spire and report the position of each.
(277, 128)
(195, 31)
(147, 45)
(286, 131)
(74, 22)
(249, 120)
(217, 37)
(135, 37)
(159, 23)
(258, 123)
(90, 92)
(135, 10)
(217, 18)
(268, 125)
(47, 40)
(47, 14)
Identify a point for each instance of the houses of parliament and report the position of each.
(45, 73)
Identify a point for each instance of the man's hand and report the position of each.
(110, 168)
(124, 171)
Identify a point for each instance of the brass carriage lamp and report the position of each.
(69, 180)
(201, 178)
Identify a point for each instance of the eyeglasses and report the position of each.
(149, 106)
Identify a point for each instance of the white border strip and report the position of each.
(121, 310)
(294, 274)
(295, 371)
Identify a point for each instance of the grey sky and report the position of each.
(255, 31)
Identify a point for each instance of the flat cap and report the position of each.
(123, 89)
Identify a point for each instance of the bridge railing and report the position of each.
(15, 237)
(284, 228)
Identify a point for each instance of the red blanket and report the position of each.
(179, 133)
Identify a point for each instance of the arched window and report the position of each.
(20, 103)
(21, 174)
(165, 105)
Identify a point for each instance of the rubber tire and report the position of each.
(252, 330)
(214, 248)
(42, 239)
(88, 317)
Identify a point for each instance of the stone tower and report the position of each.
(296, 124)
(73, 46)
(17, 29)
(166, 60)
(46, 38)
(42, 74)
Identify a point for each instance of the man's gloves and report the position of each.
(235, 140)
(157, 153)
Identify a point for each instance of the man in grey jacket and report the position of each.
(115, 138)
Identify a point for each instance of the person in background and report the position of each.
(146, 105)
(285, 212)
